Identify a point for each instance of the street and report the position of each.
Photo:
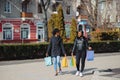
(36, 69)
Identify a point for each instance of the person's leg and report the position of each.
(83, 60)
(58, 63)
(55, 64)
(77, 63)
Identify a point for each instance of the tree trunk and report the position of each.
(45, 6)
(45, 26)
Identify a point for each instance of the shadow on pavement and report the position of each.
(88, 71)
(114, 73)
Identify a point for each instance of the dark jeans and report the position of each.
(80, 57)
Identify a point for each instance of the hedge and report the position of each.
(104, 35)
(30, 51)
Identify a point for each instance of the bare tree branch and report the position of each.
(47, 5)
(43, 5)
(91, 12)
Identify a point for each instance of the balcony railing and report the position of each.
(26, 14)
(83, 17)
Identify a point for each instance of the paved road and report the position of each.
(36, 69)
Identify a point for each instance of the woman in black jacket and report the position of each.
(79, 48)
(56, 48)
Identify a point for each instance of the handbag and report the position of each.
(73, 62)
(48, 61)
(90, 55)
(64, 62)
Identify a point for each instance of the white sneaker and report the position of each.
(81, 74)
(77, 73)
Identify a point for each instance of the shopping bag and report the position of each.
(48, 61)
(64, 62)
(73, 62)
(90, 55)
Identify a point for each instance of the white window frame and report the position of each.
(23, 26)
(7, 7)
(7, 25)
(40, 24)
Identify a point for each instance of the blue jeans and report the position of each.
(56, 62)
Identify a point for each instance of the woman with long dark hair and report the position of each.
(79, 48)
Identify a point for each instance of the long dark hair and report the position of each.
(81, 32)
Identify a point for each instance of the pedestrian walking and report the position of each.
(79, 48)
(56, 48)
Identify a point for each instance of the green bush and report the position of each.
(22, 51)
(111, 35)
(9, 52)
(106, 46)
(104, 35)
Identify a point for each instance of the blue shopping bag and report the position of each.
(90, 55)
(48, 61)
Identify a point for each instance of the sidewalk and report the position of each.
(36, 69)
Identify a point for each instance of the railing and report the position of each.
(26, 14)
(83, 17)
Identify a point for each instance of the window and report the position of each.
(7, 7)
(7, 31)
(39, 8)
(118, 18)
(80, 9)
(25, 31)
(67, 29)
(110, 3)
(117, 6)
(24, 7)
(54, 6)
(102, 5)
(68, 10)
(80, 28)
(40, 31)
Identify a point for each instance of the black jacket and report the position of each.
(80, 43)
(56, 46)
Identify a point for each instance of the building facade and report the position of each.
(109, 13)
(17, 21)
(23, 20)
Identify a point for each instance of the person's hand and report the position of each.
(89, 48)
(46, 54)
(65, 55)
(72, 54)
